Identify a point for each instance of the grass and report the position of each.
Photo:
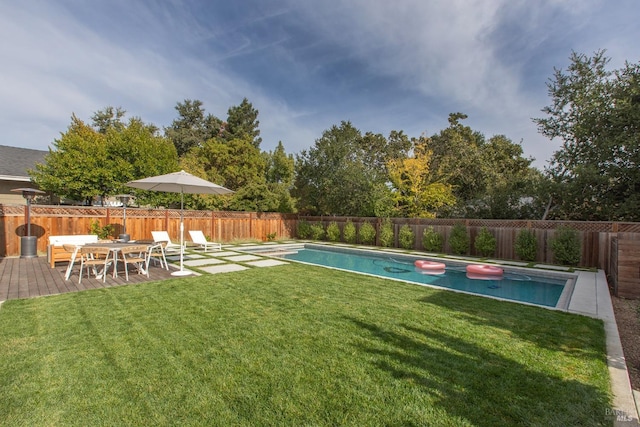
(296, 345)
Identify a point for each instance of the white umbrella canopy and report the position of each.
(179, 182)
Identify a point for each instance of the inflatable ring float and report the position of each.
(429, 267)
(483, 271)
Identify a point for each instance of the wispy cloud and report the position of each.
(305, 65)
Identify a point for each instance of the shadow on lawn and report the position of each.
(553, 330)
(476, 385)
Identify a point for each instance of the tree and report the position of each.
(108, 118)
(595, 112)
(280, 167)
(78, 167)
(88, 162)
(490, 179)
(137, 151)
(415, 195)
(456, 160)
(511, 187)
(192, 128)
(279, 175)
(242, 121)
(335, 176)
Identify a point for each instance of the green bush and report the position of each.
(367, 233)
(485, 243)
(349, 232)
(566, 246)
(304, 229)
(459, 240)
(406, 237)
(432, 241)
(333, 232)
(102, 232)
(386, 233)
(526, 245)
(317, 232)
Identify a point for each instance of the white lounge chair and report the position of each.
(163, 236)
(198, 238)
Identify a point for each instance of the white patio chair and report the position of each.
(163, 236)
(199, 239)
(156, 253)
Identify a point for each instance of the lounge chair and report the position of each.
(163, 236)
(198, 238)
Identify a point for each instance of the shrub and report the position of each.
(485, 243)
(566, 246)
(304, 229)
(101, 232)
(367, 233)
(526, 245)
(432, 241)
(270, 236)
(459, 240)
(317, 232)
(406, 237)
(333, 232)
(386, 233)
(349, 232)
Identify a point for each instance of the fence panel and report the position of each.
(596, 237)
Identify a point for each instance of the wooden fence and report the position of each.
(62, 220)
(598, 239)
(595, 237)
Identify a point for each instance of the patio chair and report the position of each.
(198, 238)
(163, 236)
(73, 253)
(137, 256)
(94, 256)
(155, 252)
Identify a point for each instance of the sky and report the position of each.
(305, 65)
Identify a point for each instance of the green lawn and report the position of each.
(296, 345)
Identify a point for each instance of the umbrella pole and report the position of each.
(182, 271)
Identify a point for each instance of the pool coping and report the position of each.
(589, 296)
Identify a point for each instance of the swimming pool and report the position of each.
(515, 285)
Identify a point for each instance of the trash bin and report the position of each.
(28, 246)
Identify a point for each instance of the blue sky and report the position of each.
(304, 64)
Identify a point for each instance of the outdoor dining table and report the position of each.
(114, 248)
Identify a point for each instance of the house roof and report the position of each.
(16, 161)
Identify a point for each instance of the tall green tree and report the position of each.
(234, 164)
(137, 151)
(280, 166)
(456, 160)
(192, 127)
(279, 175)
(89, 162)
(490, 178)
(78, 166)
(242, 121)
(595, 112)
(512, 183)
(108, 118)
(335, 176)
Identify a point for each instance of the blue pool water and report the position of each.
(517, 287)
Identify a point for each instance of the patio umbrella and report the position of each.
(179, 182)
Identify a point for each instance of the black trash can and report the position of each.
(28, 246)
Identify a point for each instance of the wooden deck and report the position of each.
(32, 277)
